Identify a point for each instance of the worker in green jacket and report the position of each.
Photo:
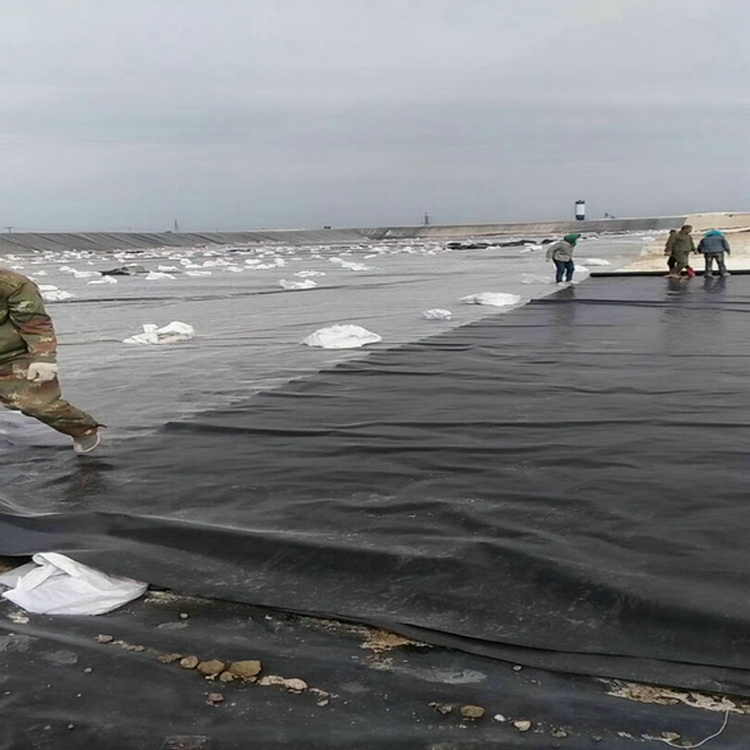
(561, 252)
(679, 246)
(28, 363)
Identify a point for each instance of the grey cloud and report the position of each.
(240, 114)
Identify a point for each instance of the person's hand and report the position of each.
(41, 372)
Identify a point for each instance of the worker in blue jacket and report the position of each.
(713, 246)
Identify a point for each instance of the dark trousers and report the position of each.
(564, 268)
(41, 400)
(719, 257)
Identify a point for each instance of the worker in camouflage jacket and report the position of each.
(28, 363)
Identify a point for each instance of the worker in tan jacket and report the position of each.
(679, 246)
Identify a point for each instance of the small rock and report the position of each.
(184, 615)
(522, 725)
(227, 677)
(443, 708)
(88, 670)
(472, 712)
(517, 667)
(499, 717)
(214, 698)
(671, 736)
(559, 734)
(102, 638)
(245, 669)
(323, 703)
(295, 684)
(70, 726)
(133, 647)
(212, 667)
(189, 662)
(596, 738)
(169, 658)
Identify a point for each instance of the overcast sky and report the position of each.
(240, 114)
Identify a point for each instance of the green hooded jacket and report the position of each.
(25, 328)
(563, 249)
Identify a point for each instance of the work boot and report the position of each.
(86, 442)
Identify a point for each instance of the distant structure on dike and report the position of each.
(580, 210)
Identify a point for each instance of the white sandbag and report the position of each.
(596, 261)
(173, 333)
(60, 586)
(295, 285)
(104, 280)
(437, 314)
(350, 264)
(342, 336)
(530, 278)
(11, 577)
(496, 299)
(51, 293)
(256, 264)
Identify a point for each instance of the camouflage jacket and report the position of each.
(25, 328)
(680, 246)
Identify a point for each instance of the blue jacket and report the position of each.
(713, 244)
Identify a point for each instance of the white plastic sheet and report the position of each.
(57, 585)
(437, 314)
(496, 299)
(172, 333)
(343, 336)
(297, 285)
(50, 293)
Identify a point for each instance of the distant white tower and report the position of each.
(580, 210)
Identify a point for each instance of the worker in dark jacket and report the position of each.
(713, 246)
(28, 363)
(679, 246)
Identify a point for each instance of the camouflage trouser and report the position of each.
(41, 400)
(681, 262)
